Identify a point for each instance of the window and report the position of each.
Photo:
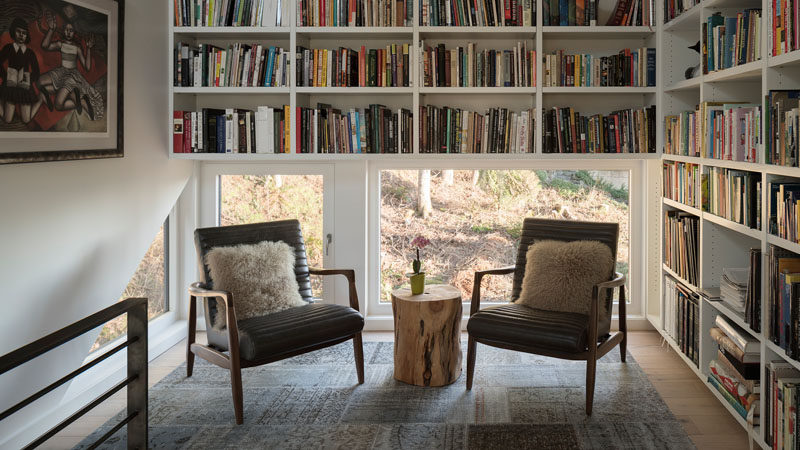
(149, 280)
(260, 198)
(474, 219)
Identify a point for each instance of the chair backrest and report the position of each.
(534, 229)
(287, 231)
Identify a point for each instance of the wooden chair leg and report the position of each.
(623, 347)
(358, 350)
(471, 347)
(236, 389)
(191, 337)
(591, 366)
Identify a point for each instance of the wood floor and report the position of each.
(707, 422)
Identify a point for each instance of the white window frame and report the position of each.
(379, 315)
(208, 201)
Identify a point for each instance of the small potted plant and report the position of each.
(417, 277)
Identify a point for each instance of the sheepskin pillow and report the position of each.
(559, 276)
(260, 276)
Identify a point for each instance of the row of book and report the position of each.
(781, 381)
(569, 12)
(238, 65)
(227, 13)
(344, 67)
(752, 303)
(782, 127)
(733, 194)
(455, 130)
(633, 13)
(210, 130)
(681, 182)
(735, 371)
(468, 67)
(626, 131)
(680, 244)
(785, 28)
(354, 13)
(631, 68)
(375, 129)
(674, 8)
(716, 130)
(783, 271)
(682, 318)
(731, 41)
(784, 209)
(482, 13)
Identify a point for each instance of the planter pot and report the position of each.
(417, 283)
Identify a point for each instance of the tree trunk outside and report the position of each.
(448, 177)
(476, 175)
(424, 207)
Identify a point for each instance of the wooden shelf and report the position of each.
(482, 32)
(356, 32)
(745, 72)
(684, 85)
(354, 90)
(598, 32)
(234, 32)
(787, 59)
(734, 317)
(731, 225)
(231, 90)
(477, 90)
(683, 207)
(783, 243)
(682, 280)
(598, 90)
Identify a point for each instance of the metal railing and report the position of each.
(136, 381)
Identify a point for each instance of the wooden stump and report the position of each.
(427, 335)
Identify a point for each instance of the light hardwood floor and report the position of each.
(707, 422)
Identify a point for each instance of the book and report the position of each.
(237, 65)
(478, 68)
(489, 13)
(345, 67)
(623, 131)
(631, 68)
(741, 338)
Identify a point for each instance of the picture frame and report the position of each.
(61, 80)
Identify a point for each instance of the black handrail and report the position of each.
(136, 381)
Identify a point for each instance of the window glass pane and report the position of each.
(475, 219)
(147, 281)
(264, 198)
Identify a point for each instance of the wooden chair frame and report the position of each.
(590, 355)
(233, 361)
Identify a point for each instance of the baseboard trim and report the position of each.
(101, 378)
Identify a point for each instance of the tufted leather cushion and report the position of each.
(531, 328)
(296, 328)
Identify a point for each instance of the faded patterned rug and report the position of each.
(313, 401)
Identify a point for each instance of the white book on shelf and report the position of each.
(741, 338)
(229, 130)
(200, 129)
(193, 121)
(315, 130)
(197, 67)
(248, 118)
(261, 130)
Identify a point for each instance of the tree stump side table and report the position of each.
(427, 335)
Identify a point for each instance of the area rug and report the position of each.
(313, 401)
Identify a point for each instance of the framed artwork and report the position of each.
(60, 80)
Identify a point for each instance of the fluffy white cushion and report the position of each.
(260, 276)
(559, 276)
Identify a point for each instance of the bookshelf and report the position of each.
(605, 40)
(722, 242)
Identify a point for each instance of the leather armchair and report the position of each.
(557, 334)
(273, 337)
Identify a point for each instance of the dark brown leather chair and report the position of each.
(261, 340)
(557, 334)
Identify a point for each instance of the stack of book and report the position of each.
(735, 372)
(354, 13)
(231, 131)
(785, 30)
(784, 300)
(680, 244)
(454, 130)
(626, 131)
(629, 68)
(731, 41)
(468, 67)
(376, 129)
(239, 65)
(682, 318)
(733, 288)
(784, 209)
(782, 129)
(344, 67)
(733, 194)
(232, 13)
(484, 13)
(674, 8)
(681, 182)
(715, 130)
(781, 400)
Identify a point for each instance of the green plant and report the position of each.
(481, 229)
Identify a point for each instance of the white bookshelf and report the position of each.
(723, 243)
(606, 40)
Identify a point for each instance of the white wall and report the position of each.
(72, 233)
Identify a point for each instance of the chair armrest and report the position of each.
(350, 274)
(619, 280)
(198, 290)
(594, 311)
(475, 305)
